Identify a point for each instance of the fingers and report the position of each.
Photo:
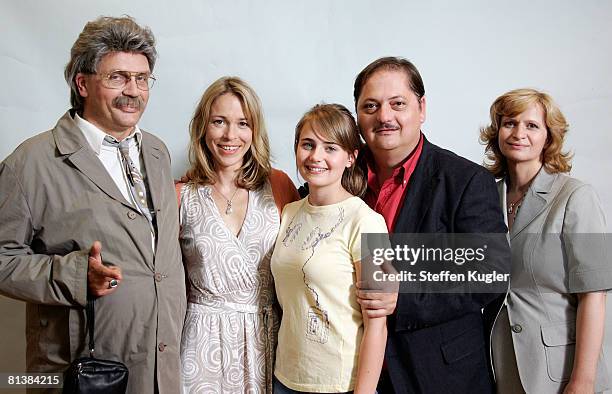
(113, 272)
(375, 308)
(371, 304)
(380, 304)
(99, 284)
(99, 276)
(371, 295)
(96, 266)
(94, 252)
(110, 271)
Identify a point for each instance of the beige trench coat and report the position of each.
(56, 199)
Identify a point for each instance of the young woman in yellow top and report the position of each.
(326, 344)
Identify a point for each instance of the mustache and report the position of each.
(133, 102)
(386, 126)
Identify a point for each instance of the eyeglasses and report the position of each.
(118, 79)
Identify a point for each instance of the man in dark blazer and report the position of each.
(437, 342)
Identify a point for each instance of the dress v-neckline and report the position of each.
(217, 213)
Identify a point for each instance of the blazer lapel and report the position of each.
(72, 143)
(502, 189)
(537, 198)
(417, 200)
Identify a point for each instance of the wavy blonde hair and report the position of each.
(256, 162)
(335, 123)
(513, 103)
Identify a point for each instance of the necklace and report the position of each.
(514, 206)
(228, 208)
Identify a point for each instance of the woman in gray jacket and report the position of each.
(548, 336)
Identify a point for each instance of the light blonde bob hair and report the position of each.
(335, 123)
(513, 103)
(256, 161)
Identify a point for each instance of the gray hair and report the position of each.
(101, 37)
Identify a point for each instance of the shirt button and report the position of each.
(158, 277)
(161, 346)
(132, 215)
(517, 328)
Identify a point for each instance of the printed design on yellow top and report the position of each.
(317, 326)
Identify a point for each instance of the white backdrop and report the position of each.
(298, 53)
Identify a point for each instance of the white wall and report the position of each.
(296, 54)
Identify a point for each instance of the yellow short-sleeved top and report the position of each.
(314, 274)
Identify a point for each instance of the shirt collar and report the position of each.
(401, 173)
(95, 136)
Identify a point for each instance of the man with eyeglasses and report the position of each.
(88, 209)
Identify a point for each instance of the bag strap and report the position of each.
(91, 323)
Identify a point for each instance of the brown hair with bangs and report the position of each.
(256, 161)
(335, 123)
(511, 104)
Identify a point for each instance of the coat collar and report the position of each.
(151, 154)
(95, 136)
(67, 137)
(539, 195)
(71, 142)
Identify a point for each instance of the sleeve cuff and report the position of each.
(80, 277)
(588, 281)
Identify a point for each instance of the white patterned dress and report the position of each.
(229, 337)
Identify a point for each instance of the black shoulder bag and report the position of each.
(89, 375)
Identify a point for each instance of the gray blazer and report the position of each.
(558, 244)
(56, 199)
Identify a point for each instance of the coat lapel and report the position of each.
(502, 189)
(72, 143)
(421, 186)
(537, 198)
(151, 154)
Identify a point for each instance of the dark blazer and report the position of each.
(438, 342)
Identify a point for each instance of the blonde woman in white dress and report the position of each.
(229, 222)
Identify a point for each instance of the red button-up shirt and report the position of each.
(388, 198)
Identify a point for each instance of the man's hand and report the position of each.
(99, 276)
(376, 304)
